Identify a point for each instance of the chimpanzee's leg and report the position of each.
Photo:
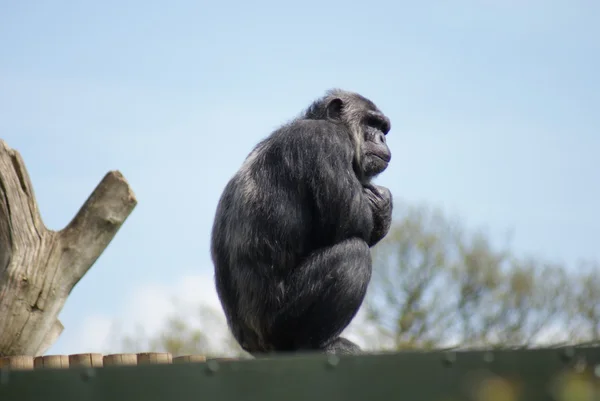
(322, 296)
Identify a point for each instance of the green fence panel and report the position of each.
(561, 374)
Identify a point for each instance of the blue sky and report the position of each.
(495, 109)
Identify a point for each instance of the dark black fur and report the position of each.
(292, 231)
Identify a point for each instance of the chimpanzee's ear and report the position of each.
(334, 109)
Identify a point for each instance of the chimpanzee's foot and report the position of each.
(342, 346)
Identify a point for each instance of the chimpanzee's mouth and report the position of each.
(385, 158)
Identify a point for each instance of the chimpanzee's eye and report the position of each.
(378, 123)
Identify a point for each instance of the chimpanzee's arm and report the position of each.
(322, 156)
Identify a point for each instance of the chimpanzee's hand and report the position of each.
(380, 199)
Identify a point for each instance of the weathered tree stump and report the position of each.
(40, 267)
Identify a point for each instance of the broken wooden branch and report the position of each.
(40, 267)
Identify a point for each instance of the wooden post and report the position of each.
(86, 360)
(51, 362)
(120, 359)
(40, 267)
(189, 358)
(17, 363)
(154, 358)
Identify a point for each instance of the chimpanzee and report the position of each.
(293, 228)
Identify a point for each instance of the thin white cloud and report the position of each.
(148, 307)
(94, 332)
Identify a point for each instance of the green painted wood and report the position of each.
(508, 375)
